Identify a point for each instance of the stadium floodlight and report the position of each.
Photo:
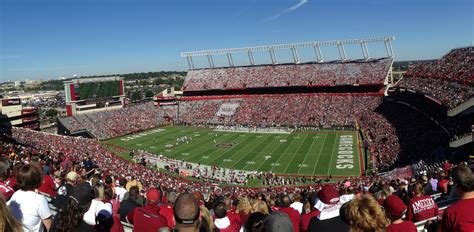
(316, 45)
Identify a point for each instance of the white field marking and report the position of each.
(185, 154)
(271, 153)
(227, 160)
(332, 152)
(303, 165)
(249, 151)
(250, 162)
(205, 157)
(282, 154)
(289, 163)
(319, 154)
(275, 164)
(306, 155)
(152, 147)
(168, 150)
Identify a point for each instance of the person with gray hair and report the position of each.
(5, 190)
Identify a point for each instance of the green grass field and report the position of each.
(299, 153)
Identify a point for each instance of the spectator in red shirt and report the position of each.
(421, 207)
(306, 218)
(148, 218)
(292, 213)
(443, 184)
(226, 221)
(5, 190)
(243, 209)
(446, 166)
(395, 209)
(459, 216)
(48, 186)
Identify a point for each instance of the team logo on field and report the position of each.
(226, 144)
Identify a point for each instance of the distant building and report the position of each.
(12, 113)
(93, 94)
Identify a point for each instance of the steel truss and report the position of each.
(316, 46)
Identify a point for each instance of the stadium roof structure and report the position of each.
(316, 45)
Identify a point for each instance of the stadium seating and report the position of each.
(450, 79)
(310, 74)
(113, 123)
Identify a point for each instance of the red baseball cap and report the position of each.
(328, 195)
(153, 195)
(394, 206)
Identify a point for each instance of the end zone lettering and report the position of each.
(345, 155)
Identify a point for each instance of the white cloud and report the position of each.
(291, 8)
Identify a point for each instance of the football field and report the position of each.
(304, 153)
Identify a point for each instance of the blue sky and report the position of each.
(44, 39)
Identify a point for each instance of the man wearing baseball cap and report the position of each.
(148, 218)
(328, 204)
(61, 199)
(395, 209)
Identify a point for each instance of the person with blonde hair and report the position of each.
(260, 206)
(8, 222)
(244, 209)
(206, 219)
(364, 214)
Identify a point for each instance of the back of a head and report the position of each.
(186, 211)
(5, 164)
(285, 201)
(134, 192)
(220, 211)
(29, 177)
(365, 214)
(255, 222)
(418, 189)
(278, 222)
(464, 178)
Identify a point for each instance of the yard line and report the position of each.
(245, 156)
(206, 140)
(319, 154)
(306, 155)
(332, 152)
(289, 163)
(283, 153)
(230, 150)
(271, 154)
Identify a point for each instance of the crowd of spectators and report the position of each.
(117, 122)
(454, 66)
(449, 79)
(449, 93)
(89, 196)
(308, 74)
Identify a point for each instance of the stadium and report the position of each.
(276, 128)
